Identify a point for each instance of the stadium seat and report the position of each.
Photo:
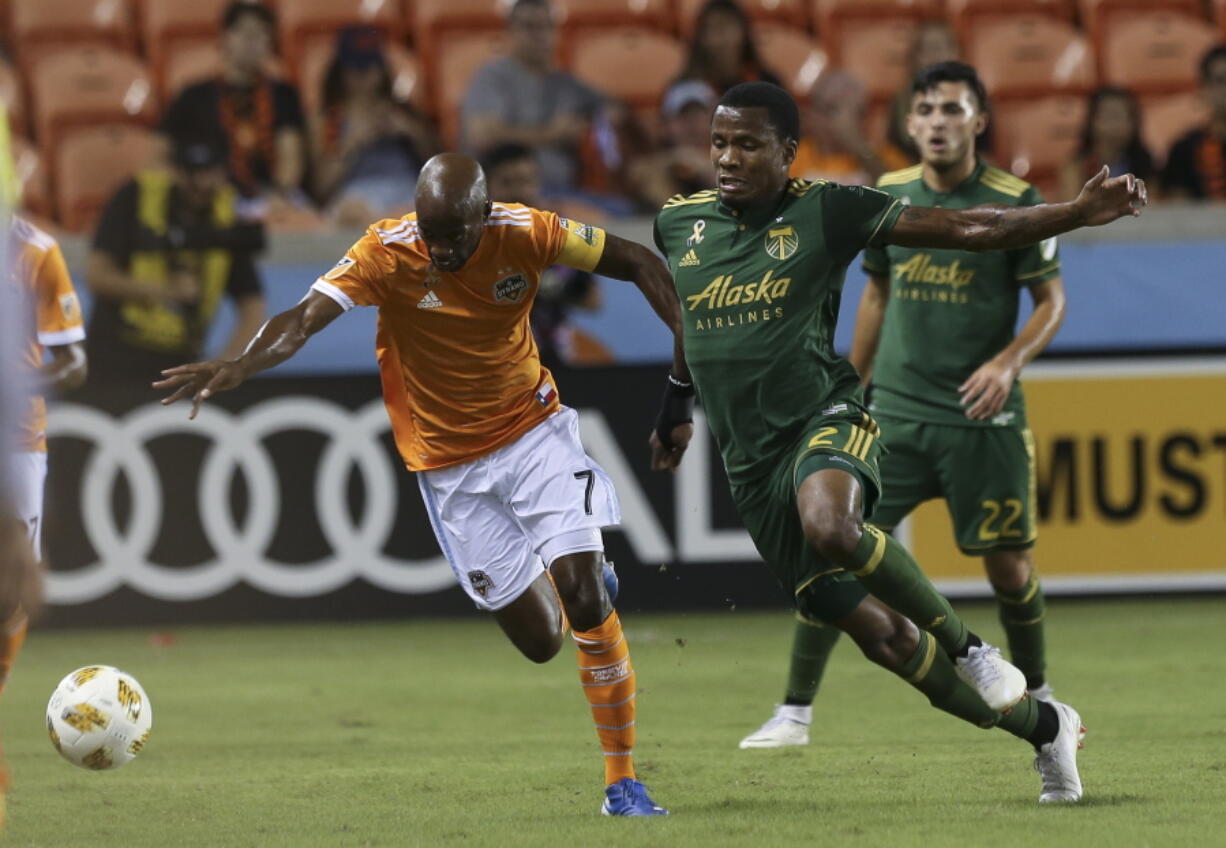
(166, 27)
(91, 163)
(1030, 55)
(1035, 137)
(74, 86)
(1154, 51)
(965, 14)
(872, 38)
(1096, 13)
(792, 54)
(11, 97)
(584, 14)
(190, 62)
(1166, 117)
(1219, 15)
(304, 21)
(434, 19)
(455, 60)
(791, 12)
(632, 64)
(31, 170)
(38, 25)
(408, 84)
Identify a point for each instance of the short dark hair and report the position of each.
(1214, 54)
(926, 79)
(239, 9)
(504, 154)
(780, 108)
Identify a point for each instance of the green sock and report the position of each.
(811, 647)
(1022, 613)
(931, 671)
(888, 571)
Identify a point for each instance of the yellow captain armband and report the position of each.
(583, 247)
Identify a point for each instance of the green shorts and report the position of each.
(846, 438)
(984, 474)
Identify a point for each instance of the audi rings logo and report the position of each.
(353, 440)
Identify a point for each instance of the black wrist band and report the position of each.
(676, 407)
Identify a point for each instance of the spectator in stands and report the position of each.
(1111, 136)
(835, 145)
(934, 42)
(525, 99)
(368, 146)
(168, 246)
(258, 119)
(513, 175)
(683, 163)
(1196, 166)
(722, 52)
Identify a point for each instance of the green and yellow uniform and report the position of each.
(760, 296)
(949, 312)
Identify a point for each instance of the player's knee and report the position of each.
(1009, 571)
(583, 596)
(891, 643)
(833, 533)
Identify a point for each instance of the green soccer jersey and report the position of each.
(950, 311)
(760, 297)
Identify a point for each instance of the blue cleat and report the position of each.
(628, 797)
(611, 582)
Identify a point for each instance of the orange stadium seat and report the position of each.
(965, 14)
(167, 26)
(792, 12)
(792, 54)
(408, 85)
(1219, 14)
(31, 173)
(872, 38)
(1030, 55)
(91, 163)
(632, 64)
(1035, 137)
(1095, 13)
(581, 14)
(435, 18)
(37, 24)
(455, 62)
(1154, 51)
(1166, 117)
(304, 21)
(11, 97)
(87, 85)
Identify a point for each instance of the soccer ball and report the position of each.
(99, 717)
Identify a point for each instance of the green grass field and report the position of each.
(438, 733)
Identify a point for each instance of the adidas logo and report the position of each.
(690, 259)
(430, 301)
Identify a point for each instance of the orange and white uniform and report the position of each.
(38, 266)
(504, 477)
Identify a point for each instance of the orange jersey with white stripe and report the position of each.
(55, 319)
(460, 370)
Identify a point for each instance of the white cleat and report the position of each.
(1056, 761)
(783, 729)
(998, 682)
(1044, 693)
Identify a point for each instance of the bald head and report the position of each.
(452, 204)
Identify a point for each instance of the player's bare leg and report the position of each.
(533, 621)
(1022, 608)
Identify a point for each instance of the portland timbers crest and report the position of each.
(781, 242)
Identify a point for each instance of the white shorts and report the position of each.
(502, 518)
(28, 476)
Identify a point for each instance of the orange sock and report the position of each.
(12, 636)
(608, 681)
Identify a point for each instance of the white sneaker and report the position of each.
(998, 682)
(1043, 693)
(1056, 761)
(786, 727)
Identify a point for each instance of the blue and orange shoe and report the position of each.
(628, 797)
(611, 583)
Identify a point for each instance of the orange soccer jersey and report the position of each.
(39, 267)
(460, 370)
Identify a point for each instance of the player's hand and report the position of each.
(1105, 198)
(986, 391)
(668, 459)
(201, 380)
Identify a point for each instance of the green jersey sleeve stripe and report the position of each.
(890, 215)
(1055, 266)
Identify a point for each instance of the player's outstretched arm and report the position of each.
(627, 260)
(279, 339)
(1102, 200)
